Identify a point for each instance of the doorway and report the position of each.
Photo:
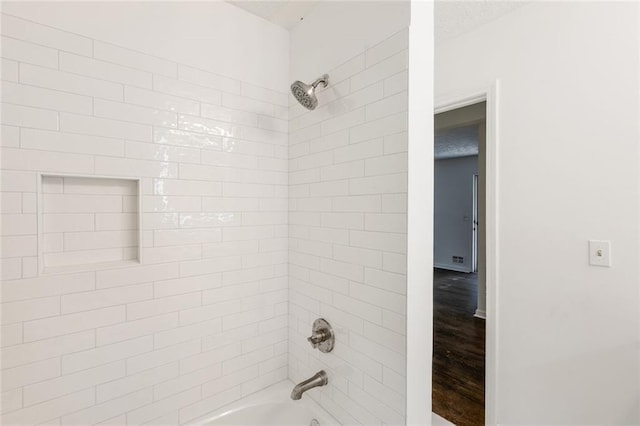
(420, 230)
(459, 334)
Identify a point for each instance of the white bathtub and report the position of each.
(274, 407)
(271, 407)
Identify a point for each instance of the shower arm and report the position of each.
(324, 80)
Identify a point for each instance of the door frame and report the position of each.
(420, 248)
(474, 225)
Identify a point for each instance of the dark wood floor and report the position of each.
(458, 349)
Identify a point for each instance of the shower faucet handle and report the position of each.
(322, 337)
(317, 338)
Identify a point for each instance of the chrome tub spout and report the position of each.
(318, 379)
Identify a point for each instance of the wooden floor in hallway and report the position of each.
(458, 349)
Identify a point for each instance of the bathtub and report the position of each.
(271, 407)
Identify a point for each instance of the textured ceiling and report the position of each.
(457, 142)
(456, 131)
(453, 17)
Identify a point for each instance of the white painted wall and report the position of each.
(203, 321)
(568, 333)
(213, 35)
(453, 212)
(348, 185)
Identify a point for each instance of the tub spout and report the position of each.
(318, 379)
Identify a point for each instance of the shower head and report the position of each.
(306, 93)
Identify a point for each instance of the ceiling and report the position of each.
(457, 142)
(283, 13)
(452, 17)
(456, 131)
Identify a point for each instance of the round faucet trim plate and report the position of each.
(322, 336)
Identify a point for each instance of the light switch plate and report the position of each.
(600, 253)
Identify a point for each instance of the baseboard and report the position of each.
(480, 314)
(451, 267)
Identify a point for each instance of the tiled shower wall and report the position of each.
(348, 188)
(203, 320)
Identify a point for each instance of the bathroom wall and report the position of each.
(568, 172)
(347, 187)
(199, 35)
(202, 320)
(453, 212)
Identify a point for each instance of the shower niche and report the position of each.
(87, 222)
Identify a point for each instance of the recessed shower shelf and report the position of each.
(87, 223)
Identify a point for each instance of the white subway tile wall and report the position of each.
(347, 235)
(204, 319)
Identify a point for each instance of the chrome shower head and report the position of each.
(306, 93)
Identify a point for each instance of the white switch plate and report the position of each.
(599, 253)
